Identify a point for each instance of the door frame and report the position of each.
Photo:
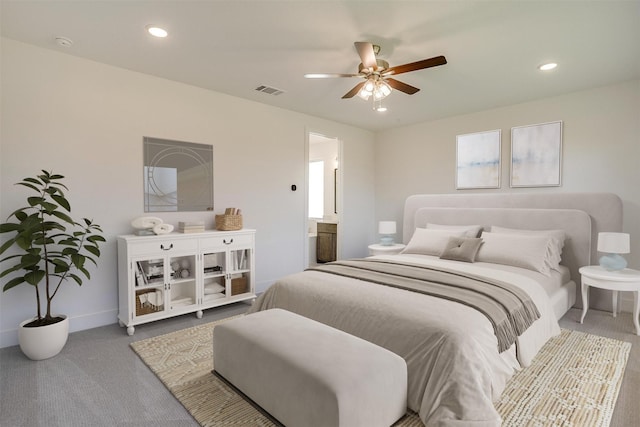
(338, 196)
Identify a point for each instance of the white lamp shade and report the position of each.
(614, 243)
(387, 227)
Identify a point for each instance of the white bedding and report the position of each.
(455, 370)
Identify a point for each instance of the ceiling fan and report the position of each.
(377, 74)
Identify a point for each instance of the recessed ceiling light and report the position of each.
(547, 67)
(157, 31)
(381, 109)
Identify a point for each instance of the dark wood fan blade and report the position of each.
(353, 91)
(402, 87)
(327, 76)
(367, 56)
(418, 65)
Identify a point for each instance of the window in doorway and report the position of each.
(316, 189)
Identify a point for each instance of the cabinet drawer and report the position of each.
(327, 227)
(160, 246)
(227, 241)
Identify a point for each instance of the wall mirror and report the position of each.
(178, 176)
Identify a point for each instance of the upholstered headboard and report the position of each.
(603, 209)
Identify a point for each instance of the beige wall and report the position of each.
(86, 121)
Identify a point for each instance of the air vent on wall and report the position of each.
(269, 90)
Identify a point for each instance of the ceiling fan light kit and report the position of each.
(377, 75)
(376, 87)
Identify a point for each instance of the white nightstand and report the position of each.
(378, 249)
(621, 280)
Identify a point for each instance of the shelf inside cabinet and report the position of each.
(152, 283)
(183, 294)
(180, 280)
(213, 275)
(182, 302)
(213, 263)
(149, 272)
(182, 267)
(150, 300)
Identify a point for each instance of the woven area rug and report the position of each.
(573, 381)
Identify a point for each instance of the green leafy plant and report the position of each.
(52, 246)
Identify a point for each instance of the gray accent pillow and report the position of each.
(461, 249)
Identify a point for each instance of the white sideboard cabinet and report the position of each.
(172, 274)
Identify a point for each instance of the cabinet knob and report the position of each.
(166, 249)
(227, 243)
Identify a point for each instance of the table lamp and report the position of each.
(387, 229)
(612, 245)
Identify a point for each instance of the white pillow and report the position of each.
(558, 237)
(213, 288)
(429, 242)
(518, 250)
(470, 230)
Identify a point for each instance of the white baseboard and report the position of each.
(9, 337)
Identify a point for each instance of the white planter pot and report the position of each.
(43, 342)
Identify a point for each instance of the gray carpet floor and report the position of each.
(97, 380)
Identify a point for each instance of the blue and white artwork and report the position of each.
(478, 160)
(536, 155)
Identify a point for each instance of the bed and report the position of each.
(458, 362)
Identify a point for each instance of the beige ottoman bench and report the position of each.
(307, 374)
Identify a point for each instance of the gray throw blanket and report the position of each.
(509, 309)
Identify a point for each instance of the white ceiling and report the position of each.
(492, 48)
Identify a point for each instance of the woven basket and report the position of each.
(239, 286)
(142, 309)
(228, 222)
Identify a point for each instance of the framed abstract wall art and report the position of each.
(536, 155)
(478, 160)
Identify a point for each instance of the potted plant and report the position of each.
(51, 248)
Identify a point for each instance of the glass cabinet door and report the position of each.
(214, 272)
(240, 271)
(182, 282)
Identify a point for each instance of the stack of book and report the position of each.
(191, 227)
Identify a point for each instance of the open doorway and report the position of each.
(323, 189)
